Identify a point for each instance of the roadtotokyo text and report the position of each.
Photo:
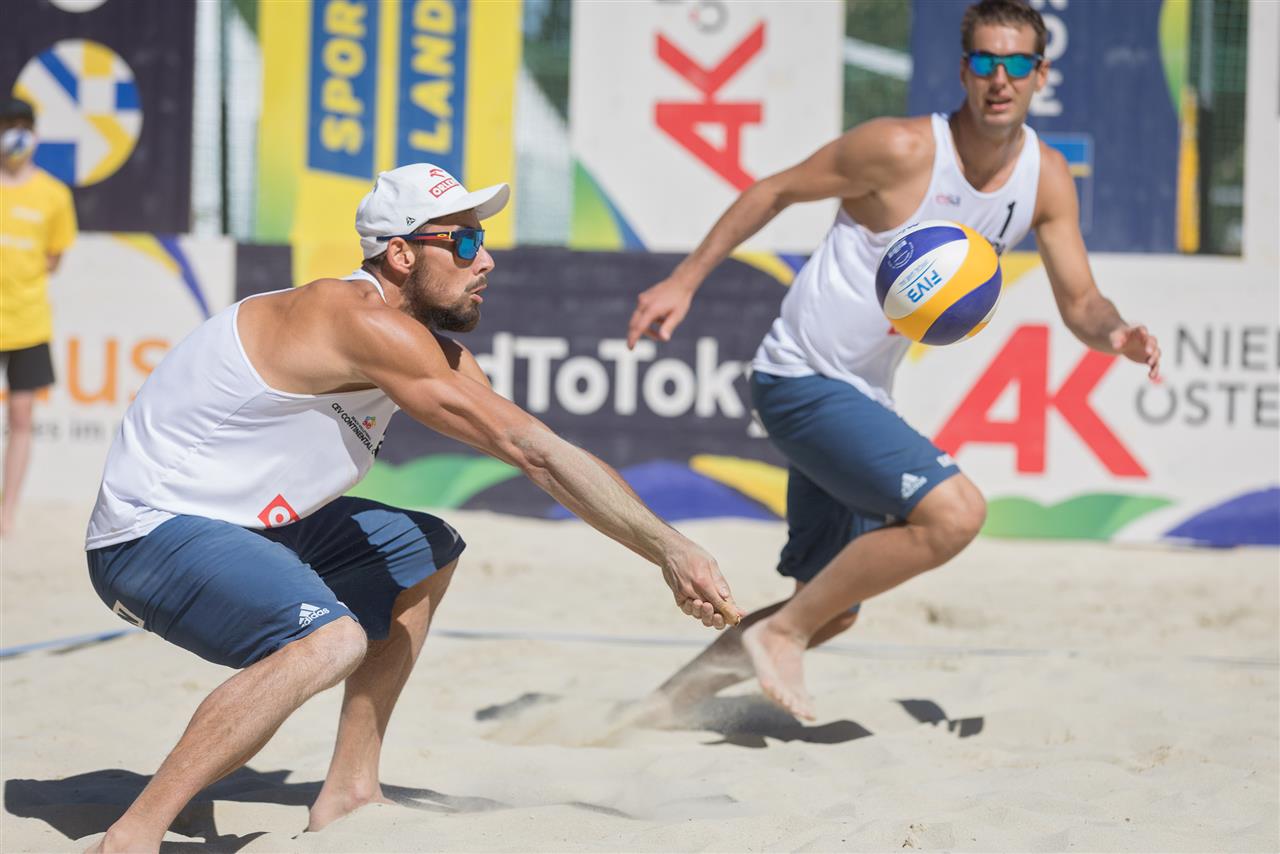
(615, 377)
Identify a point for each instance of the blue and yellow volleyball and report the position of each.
(939, 282)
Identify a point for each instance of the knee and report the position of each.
(955, 518)
(338, 648)
(21, 417)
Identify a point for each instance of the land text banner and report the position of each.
(356, 87)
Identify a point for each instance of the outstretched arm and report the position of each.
(858, 162)
(1089, 315)
(438, 383)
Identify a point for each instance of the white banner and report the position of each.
(1072, 443)
(120, 301)
(676, 107)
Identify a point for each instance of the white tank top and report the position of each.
(206, 436)
(831, 323)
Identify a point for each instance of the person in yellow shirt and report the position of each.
(37, 224)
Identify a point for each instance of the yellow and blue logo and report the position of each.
(88, 110)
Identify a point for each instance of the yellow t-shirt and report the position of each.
(37, 219)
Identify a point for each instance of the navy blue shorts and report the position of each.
(234, 595)
(28, 369)
(855, 465)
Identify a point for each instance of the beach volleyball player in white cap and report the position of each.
(221, 524)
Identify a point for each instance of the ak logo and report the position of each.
(1023, 363)
(88, 111)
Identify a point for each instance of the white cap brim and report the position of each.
(485, 203)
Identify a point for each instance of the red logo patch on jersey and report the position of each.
(277, 513)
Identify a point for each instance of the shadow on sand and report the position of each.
(748, 721)
(89, 803)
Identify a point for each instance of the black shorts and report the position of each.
(29, 369)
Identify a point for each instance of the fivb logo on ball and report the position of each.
(88, 112)
(938, 282)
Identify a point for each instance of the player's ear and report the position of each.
(1042, 74)
(400, 255)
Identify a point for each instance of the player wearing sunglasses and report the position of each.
(222, 522)
(869, 508)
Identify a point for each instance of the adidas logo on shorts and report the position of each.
(308, 614)
(911, 483)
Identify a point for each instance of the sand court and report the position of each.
(1028, 696)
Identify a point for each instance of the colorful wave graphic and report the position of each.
(711, 486)
(1097, 516)
(166, 251)
(597, 222)
(1252, 519)
(439, 480)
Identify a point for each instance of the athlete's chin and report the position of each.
(460, 321)
(1000, 118)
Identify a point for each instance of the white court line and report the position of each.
(858, 650)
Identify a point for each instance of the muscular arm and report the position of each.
(414, 368)
(1089, 315)
(869, 157)
(461, 360)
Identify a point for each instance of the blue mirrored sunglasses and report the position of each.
(1016, 65)
(466, 241)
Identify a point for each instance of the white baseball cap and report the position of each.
(403, 199)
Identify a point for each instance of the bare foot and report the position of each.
(329, 807)
(115, 840)
(718, 667)
(778, 659)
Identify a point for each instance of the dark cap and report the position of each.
(16, 108)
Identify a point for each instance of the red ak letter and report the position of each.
(1025, 360)
(680, 120)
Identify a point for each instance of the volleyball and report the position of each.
(938, 282)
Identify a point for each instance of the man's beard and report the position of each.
(462, 316)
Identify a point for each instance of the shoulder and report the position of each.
(887, 150)
(894, 139)
(1052, 163)
(1055, 187)
(51, 186)
(363, 325)
(339, 294)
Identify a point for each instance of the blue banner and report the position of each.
(1107, 107)
(433, 83)
(343, 97)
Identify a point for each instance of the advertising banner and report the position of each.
(120, 301)
(1067, 442)
(355, 87)
(553, 339)
(676, 107)
(1111, 107)
(111, 84)
(1064, 442)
